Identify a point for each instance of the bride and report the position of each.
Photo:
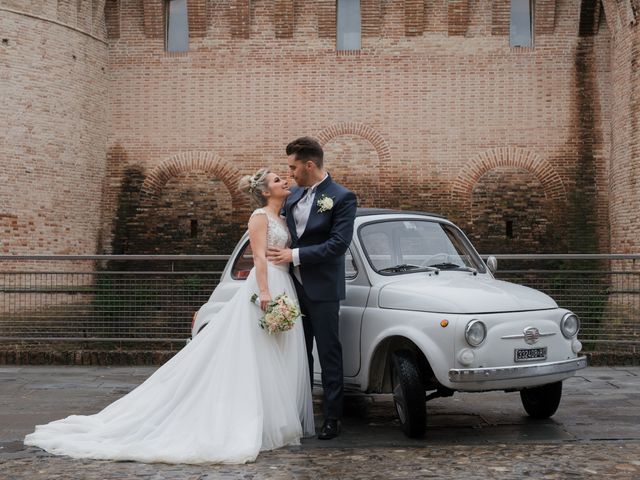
(232, 392)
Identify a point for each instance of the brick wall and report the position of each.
(355, 162)
(434, 92)
(53, 68)
(433, 106)
(193, 213)
(511, 212)
(624, 192)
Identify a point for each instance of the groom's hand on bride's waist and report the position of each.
(279, 256)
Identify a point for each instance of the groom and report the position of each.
(320, 215)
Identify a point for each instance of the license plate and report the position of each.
(528, 354)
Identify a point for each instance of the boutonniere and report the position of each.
(324, 203)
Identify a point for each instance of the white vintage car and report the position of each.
(424, 318)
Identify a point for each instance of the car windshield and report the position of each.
(404, 246)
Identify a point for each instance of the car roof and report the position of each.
(364, 212)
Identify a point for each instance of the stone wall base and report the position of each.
(87, 355)
(104, 355)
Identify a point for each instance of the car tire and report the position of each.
(542, 402)
(408, 393)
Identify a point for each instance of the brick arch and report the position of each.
(508, 157)
(325, 135)
(188, 162)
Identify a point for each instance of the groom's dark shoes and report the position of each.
(330, 429)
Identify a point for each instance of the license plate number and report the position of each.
(528, 354)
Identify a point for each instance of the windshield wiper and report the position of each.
(405, 267)
(455, 266)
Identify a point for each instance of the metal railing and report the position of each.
(145, 298)
(103, 298)
(603, 290)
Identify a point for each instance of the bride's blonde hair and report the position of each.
(255, 185)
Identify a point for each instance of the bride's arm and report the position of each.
(258, 240)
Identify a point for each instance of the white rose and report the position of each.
(325, 204)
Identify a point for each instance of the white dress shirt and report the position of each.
(301, 212)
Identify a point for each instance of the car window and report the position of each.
(243, 264)
(350, 269)
(379, 248)
(400, 246)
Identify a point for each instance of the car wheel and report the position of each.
(542, 402)
(408, 393)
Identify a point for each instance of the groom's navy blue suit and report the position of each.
(322, 246)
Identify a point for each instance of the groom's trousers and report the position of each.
(321, 320)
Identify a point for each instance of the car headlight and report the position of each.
(569, 325)
(475, 333)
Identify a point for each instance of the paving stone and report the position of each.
(595, 433)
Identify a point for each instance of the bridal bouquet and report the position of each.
(280, 315)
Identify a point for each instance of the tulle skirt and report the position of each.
(227, 395)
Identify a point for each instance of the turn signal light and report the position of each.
(444, 323)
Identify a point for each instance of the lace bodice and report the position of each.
(277, 231)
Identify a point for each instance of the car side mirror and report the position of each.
(492, 263)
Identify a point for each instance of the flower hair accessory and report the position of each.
(253, 183)
(324, 203)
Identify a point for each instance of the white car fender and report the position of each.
(206, 310)
(434, 354)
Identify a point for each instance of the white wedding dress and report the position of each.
(227, 395)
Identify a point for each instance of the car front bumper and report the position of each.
(459, 375)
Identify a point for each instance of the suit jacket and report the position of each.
(324, 241)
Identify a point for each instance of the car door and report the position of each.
(351, 313)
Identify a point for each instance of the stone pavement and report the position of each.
(596, 433)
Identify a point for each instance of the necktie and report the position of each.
(305, 197)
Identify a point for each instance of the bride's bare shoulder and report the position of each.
(258, 211)
(258, 219)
